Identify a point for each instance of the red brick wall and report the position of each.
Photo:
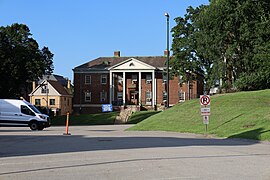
(160, 88)
(174, 90)
(96, 87)
(145, 87)
(196, 88)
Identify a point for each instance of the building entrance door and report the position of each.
(133, 97)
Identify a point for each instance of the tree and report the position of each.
(21, 60)
(229, 40)
(187, 60)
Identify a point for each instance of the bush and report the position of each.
(253, 81)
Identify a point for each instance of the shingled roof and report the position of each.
(58, 87)
(103, 63)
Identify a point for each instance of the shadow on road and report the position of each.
(252, 134)
(40, 145)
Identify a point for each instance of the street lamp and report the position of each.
(168, 54)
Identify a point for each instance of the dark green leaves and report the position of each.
(21, 60)
(228, 40)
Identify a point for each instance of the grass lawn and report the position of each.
(86, 119)
(140, 116)
(238, 115)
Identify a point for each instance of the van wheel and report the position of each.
(40, 128)
(34, 126)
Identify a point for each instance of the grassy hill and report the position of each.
(86, 119)
(239, 115)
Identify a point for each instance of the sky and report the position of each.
(78, 31)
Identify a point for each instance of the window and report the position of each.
(119, 96)
(180, 80)
(37, 102)
(120, 80)
(103, 79)
(87, 79)
(148, 78)
(148, 96)
(164, 96)
(52, 102)
(134, 78)
(164, 77)
(87, 96)
(26, 110)
(103, 96)
(44, 89)
(181, 96)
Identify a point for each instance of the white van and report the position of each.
(15, 112)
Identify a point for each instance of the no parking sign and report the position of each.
(205, 109)
(205, 100)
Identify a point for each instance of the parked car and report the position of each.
(14, 112)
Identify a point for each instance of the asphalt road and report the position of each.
(109, 152)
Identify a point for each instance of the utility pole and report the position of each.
(168, 57)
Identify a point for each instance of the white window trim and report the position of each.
(149, 79)
(44, 89)
(119, 94)
(134, 80)
(120, 80)
(103, 76)
(39, 102)
(164, 93)
(182, 96)
(50, 102)
(85, 79)
(150, 93)
(148, 100)
(89, 96)
(103, 99)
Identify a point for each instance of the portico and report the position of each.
(133, 82)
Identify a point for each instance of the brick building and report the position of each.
(130, 81)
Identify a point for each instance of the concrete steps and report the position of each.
(125, 114)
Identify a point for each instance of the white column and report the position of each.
(124, 88)
(113, 88)
(153, 89)
(110, 79)
(140, 88)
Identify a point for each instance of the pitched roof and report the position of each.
(103, 63)
(58, 87)
(62, 80)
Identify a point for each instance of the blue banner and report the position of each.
(107, 108)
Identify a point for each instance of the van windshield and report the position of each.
(34, 109)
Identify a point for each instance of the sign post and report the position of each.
(205, 110)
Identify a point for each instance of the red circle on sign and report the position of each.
(205, 100)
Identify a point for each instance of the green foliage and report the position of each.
(140, 116)
(242, 115)
(186, 57)
(86, 119)
(228, 39)
(21, 60)
(253, 81)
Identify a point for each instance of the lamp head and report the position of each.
(167, 15)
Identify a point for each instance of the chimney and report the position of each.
(166, 52)
(33, 85)
(116, 53)
(68, 84)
